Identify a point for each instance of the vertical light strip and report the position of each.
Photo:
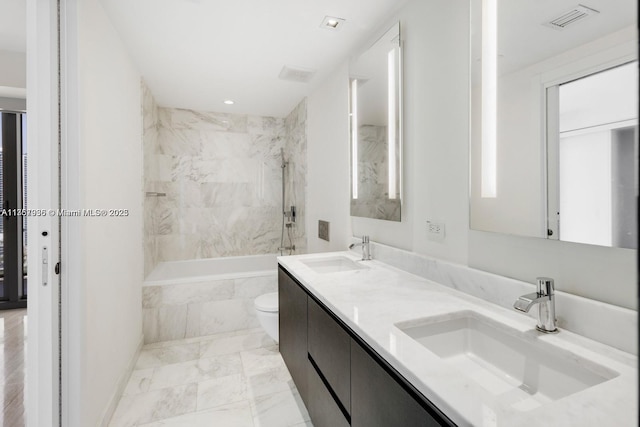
(391, 120)
(489, 97)
(354, 138)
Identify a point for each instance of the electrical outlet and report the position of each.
(435, 231)
(323, 230)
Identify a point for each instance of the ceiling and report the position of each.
(13, 25)
(523, 39)
(197, 53)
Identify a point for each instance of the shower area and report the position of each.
(219, 188)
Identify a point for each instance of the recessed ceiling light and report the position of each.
(229, 102)
(332, 23)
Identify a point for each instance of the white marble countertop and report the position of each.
(372, 300)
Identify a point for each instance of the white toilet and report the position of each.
(267, 313)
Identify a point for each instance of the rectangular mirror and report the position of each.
(554, 139)
(375, 104)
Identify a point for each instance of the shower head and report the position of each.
(284, 162)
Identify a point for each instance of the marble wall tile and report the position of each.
(150, 325)
(193, 320)
(226, 165)
(172, 322)
(252, 287)
(229, 315)
(296, 172)
(151, 296)
(187, 293)
(151, 172)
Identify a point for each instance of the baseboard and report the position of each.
(122, 383)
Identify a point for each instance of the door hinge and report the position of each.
(57, 269)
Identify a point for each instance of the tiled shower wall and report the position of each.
(296, 173)
(222, 178)
(151, 124)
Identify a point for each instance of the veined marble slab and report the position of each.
(370, 301)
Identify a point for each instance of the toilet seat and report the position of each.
(267, 302)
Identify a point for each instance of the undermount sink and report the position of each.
(332, 264)
(517, 368)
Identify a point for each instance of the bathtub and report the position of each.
(185, 299)
(220, 268)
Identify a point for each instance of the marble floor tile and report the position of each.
(13, 353)
(234, 344)
(234, 415)
(152, 357)
(221, 391)
(229, 379)
(195, 371)
(261, 360)
(269, 382)
(283, 409)
(139, 382)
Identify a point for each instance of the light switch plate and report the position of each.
(323, 230)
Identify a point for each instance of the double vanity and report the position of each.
(368, 344)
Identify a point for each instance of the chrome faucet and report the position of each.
(366, 251)
(545, 299)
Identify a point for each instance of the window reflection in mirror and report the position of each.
(595, 148)
(536, 51)
(375, 129)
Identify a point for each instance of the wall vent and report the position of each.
(296, 74)
(573, 16)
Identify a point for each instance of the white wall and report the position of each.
(13, 69)
(105, 255)
(328, 162)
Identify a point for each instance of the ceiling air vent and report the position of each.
(573, 16)
(576, 14)
(297, 74)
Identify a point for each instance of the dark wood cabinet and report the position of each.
(342, 381)
(292, 308)
(330, 349)
(378, 400)
(323, 408)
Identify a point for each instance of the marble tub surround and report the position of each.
(150, 128)
(174, 311)
(295, 153)
(371, 301)
(586, 317)
(222, 178)
(231, 379)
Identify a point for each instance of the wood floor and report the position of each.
(13, 353)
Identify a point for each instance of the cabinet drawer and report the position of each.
(378, 399)
(330, 348)
(323, 409)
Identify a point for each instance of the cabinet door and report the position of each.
(292, 308)
(330, 349)
(377, 400)
(323, 409)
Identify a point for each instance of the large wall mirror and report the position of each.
(554, 118)
(376, 129)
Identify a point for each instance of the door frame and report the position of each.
(43, 128)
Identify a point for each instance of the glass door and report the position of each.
(13, 167)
